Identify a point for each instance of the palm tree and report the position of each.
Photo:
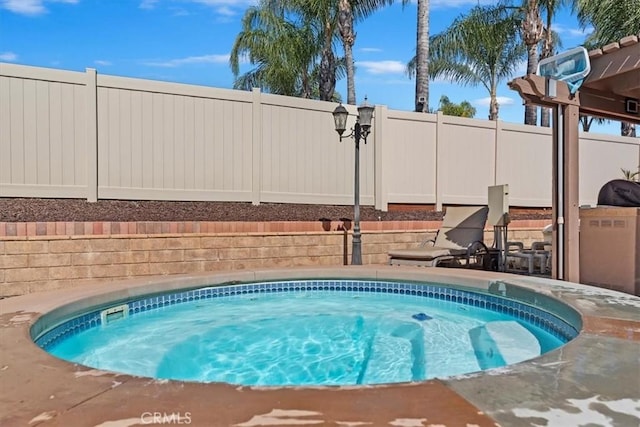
(327, 70)
(289, 41)
(611, 20)
(269, 39)
(587, 121)
(532, 33)
(422, 57)
(628, 129)
(348, 12)
(464, 109)
(481, 48)
(284, 52)
(550, 42)
(324, 14)
(419, 64)
(348, 36)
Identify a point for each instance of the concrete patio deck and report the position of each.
(594, 379)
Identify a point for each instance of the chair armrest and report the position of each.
(475, 247)
(517, 246)
(538, 246)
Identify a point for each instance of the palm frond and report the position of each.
(611, 19)
(282, 48)
(480, 48)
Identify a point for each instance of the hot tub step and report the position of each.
(501, 343)
(391, 357)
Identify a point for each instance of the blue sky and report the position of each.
(189, 41)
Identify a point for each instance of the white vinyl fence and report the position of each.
(83, 135)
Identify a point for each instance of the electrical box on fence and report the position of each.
(498, 205)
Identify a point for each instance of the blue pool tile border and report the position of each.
(532, 315)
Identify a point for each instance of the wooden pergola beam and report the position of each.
(613, 61)
(532, 88)
(606, 105)
(614, 77)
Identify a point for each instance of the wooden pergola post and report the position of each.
(566, 214)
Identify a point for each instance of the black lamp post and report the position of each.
(361, 129)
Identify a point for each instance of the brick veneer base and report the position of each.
(32, 263)
(21, 229)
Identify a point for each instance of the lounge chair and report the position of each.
(459, 238)
(519, 259)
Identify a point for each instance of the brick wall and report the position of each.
(44, 263)
(37, 263)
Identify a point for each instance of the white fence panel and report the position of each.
(42, 132)
(303, 160)
(412, 140)
(524, 162)
(173, 142)
(466, 160)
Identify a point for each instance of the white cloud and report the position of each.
(8, 56)
(370, 49)
(406, 81)
(24, 7)
(148, 4)
(224, 8)
(177, 11)
(572, 32)
(383, 67)
(239, 3)
(226, 11)
(30, 7)
(455, 4)
(204, 59)
(102, 62)
(502, 101)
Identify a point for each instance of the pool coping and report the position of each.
(595, 375)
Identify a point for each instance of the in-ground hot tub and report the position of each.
(311, 332)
